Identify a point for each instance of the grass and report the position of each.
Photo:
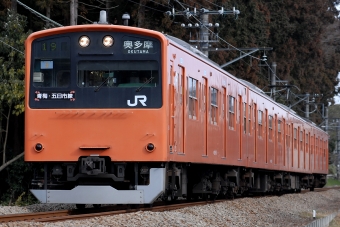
(335, 222)
(332, 182)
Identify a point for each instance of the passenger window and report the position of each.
(259, 120)
(213, 105)
(193, 106)
(231, 112)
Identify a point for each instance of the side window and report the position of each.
(295, 139)
(231, 112)
(307, 141)
(279, 131)
(301, 141)
(249, 119)
(270, 125)
(259, 120)
(193, 103)
(244, 118)
(213, 105)
(288, 135)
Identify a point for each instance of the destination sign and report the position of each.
(55, 95)
(138, 47)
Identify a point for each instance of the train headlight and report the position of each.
(84, 41)
(150, 147)
(38, 147)
(108, 41)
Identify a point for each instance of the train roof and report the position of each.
(196, 51)
(191, 48)
(247, 83)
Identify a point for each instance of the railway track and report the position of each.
(63, 215)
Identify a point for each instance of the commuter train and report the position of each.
(124, 115)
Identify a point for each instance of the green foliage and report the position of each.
(12, 62)
(332, 169)
(332, 182)
(16, 180)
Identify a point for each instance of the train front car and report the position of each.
(94, 116)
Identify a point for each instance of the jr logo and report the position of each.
(140, 98)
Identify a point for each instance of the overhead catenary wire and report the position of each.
(12, 47)
(229, 44)
(147, 6)
(44, 18)
(98, 7)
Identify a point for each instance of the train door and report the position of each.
(172, 109)
(284, 142)
(312, 142)
(178, 109)
(224, 109)
(255, 132)
(307, 151)
(181, 89)
(266, 133)
(275, 140)
(288, 145)
(240, 129)
(205, 116)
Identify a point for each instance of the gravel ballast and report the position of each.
(287, 210)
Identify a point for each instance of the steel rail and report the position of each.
(63, 215)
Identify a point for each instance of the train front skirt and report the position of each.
(144, 194)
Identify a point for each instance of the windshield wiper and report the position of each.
(101, 85)
(145, 83)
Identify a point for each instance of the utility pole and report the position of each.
(204, 26)
(204, 33)
(337, 150)
(202, 23)
(14, 6)
(73, 12)
(307, 106)
(273, 80)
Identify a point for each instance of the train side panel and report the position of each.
(240, 128)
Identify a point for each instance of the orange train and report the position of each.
(124, 115)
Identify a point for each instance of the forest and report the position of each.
(303, 38)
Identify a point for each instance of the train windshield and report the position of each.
(117, 74)
(125, 75)
(50, 73)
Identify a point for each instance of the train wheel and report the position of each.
(229, 195)
(150, 205)
(134, 206)
(97, 205)
(80, 206)
(214, 197)
(174, 198)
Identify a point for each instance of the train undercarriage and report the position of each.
(97, 180)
